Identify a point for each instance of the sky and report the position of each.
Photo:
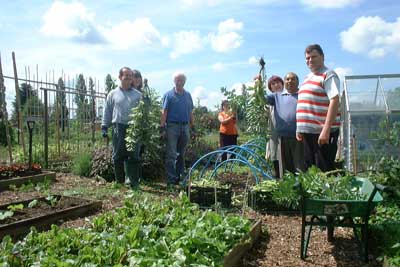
(216, 43)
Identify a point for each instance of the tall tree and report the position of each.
(26, 93)
(80, 97)
(110, 83)
(61, 101)
(92, 103)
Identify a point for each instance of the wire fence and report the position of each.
(62, 113)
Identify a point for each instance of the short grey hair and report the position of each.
(179, 74)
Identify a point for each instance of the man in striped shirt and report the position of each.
(317, 117)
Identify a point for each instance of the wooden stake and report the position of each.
(3, 109)
(18, 108)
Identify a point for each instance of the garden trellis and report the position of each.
(370, 108)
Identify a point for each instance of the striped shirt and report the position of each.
(313, 102)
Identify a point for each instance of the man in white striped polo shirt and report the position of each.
(317, 117)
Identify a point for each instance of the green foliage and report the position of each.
(16, 207)
(256, 111)
(143, 125)
(82, 164)
(102, 164)
(209, 183)
(385, 228)
(110, 83)
(206, 121)
(142, 233)
(388, 133)
(321, 185)
(33, 203)
(238, 102)
(6, 214)
(196, 149)
(3, 137)
(25, 92)
(52, 200)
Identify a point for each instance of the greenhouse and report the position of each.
(371, 116)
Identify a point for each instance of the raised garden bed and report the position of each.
(43, 212)
(20, 180)
(234, 257)
(263, 202)
(207, 197)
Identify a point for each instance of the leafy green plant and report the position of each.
(385, 230)
(39, 187)
(33, 203)
(209, 183)
(5, 214)
(15, 207)
(256, 112)
(52, 200)
(145, 119)
(82, 164)
(322, 185)
(142, 233)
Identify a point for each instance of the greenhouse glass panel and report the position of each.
(370, 108)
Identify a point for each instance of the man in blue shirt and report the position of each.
(285, 103)
(176, 119)
(119, 104)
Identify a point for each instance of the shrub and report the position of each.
(102, 164)
(82, 164)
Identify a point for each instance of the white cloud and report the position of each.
(186, 42)
(341, 72)
(330, 3)
(253, 60)
(207, 98)
(70, 21)
(229, 25)
(226, 39)
(200, 3)
(372, 36)
(73, 21)
(218, 66)
(134, 34)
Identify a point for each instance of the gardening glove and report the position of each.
(104, 131)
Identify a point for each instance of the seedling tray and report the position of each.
(262, 202)
(234, 256)
(65, 208)
(18, 181)
(207, 197)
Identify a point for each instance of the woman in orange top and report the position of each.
(227, 130)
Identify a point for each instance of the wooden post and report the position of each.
(93, 117)
(3, 110)
(18, 107)
(46, 129)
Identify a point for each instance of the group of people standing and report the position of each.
(176, 122)
(305, 121)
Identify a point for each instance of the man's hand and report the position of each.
(323, 138)
(299, 137)
(163, 132)
(104, 131)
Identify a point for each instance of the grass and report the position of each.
(100, 192)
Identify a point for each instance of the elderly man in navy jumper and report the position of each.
(285, 102)
(119, 103)
(176, 119)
